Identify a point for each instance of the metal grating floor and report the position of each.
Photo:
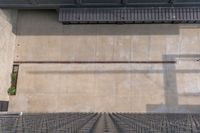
(100, 123)
(130, 15)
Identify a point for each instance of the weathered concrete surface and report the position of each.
(7, 44)
(105, 88)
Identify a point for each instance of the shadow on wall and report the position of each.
(10, 16)
(3, 106)
(45, 22)
(171, 90)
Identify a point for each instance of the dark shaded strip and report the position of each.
(129, 15)
(94, 62)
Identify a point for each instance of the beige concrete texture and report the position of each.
(105, 87)
(8, 19)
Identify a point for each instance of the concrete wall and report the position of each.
(105, 88)
(8, 20)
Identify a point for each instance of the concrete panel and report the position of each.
(7, 44)
(188, 82)
(140, 48)
(105, 87)
(190, 40)
(148, 89)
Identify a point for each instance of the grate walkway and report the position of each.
(100, 123)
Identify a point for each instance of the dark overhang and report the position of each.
(55, 4)
(115, 11)
(130, 15)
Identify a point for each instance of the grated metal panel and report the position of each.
(99, 123)
(130, 15)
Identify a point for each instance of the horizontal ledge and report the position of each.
(51, 4)
(129, 15)
(94, 62)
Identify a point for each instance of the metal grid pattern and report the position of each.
(48, 123)
(157, 123)
(130, 15)
(94, 122)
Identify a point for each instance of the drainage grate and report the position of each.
(130, 15)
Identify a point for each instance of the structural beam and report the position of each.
(130, 15)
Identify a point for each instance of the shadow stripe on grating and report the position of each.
(130, 15)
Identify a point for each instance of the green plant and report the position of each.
(13, 76)
(12, 91)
